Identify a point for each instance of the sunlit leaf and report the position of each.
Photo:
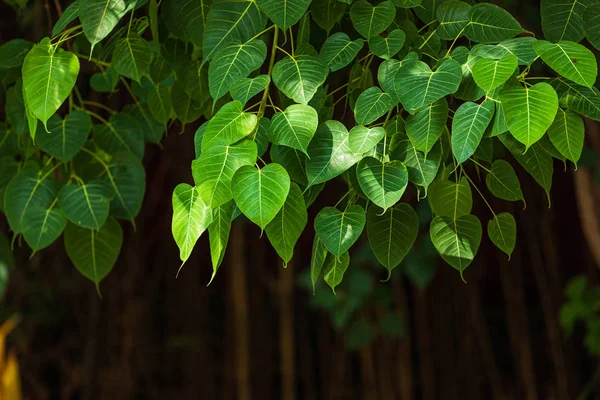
(502, 230)
(246, 88)
(456, 240)
(427, 125)
(229, 125)
(362, 139)
(383, 183)
(468, 126)
(490, 73)
(294, 127)
(339, 230)
(569, 59)
(299, 77)
(369, 20)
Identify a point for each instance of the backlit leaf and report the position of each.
(502, 230)
(456, 240)
(229, 125)
(383, 183)
(299, 77)
(490, 73)
(567, 134)
(339, 230)
(468, 126)
(294, 127)
(362, 139)
(569, 59)
(218, 233)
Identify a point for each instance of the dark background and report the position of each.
(257, 333)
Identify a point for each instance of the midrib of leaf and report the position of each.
(333, 153)
(260, 198)
(37, 243)
(48, 84)
(242, 14)
(37, 184)
(137, 72)
(89, 203)
(64, 138)
(462, 153)
(500, 230)
(567, 131)
(212, 197)
(292, 128)
(528, 118)
(571, 11)
(371, 20)
(300, 77)
(100, 24)
(457, 244)
(118, 136)
(229, 67)
(341, 51)
(187, 230)
(571, 61)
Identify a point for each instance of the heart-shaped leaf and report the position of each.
(132, 57)
(563, 19)
(362, 139)
(42, 226)
(427, 125)
(389, 46)
(86, 205)
(529, 111)
(294, 162)
(489, 23)
(284, 15)
(66, 136)
(339, 230)
(371, 20)
(591, 24)
(317, 259)
(160, 104)
(417, 86)
(13, 53)
(121, 133)
(454, 18)
(567, 134)
(421, 170)
(185, 19)
(503, 182)
(229, 125)
(338, 50)
(260, 193)
(450, 199)
(569, 59)
(581, 99)
(383, 183)
(99, 17)
(502, 230)
(468, 126)
(294, 127)
(127, 178)
(392, 233)
(246, 88)
(334, 269)
(299, 77)
(327, 13)
(489, 73)
(371, 105)
(425, 9)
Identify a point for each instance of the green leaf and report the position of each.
(229, 125)
(421, 170)
(427, 125)
(69, 15)
(122, 133)
(317, 259)
(338, 50)
(468, 126)
(371, 20)
(334, 269)
(329, 153)
(327, 13)
(563, 19)
(491, 24)
(456, 240)
(49, 75)
(294, 127)
(86, 205)
(389, 46)
(132, 57)
(503, 182)
(228, 21)
(159, 103)
(362, 139)
(292, 160)
(582, 100)
(453, 16)
(193, 77)
(569, 59)
(186, 19)
(490, 74)
(287, 226)
(127, 178)
(42, 226)
(234, 62)
(371, 105)
(520, 47)
(246, 88)
(260, 193)
(13, 53)
(67, 136)
(262, 136)
(191, 217)
(392, 233)
(529, 111)
(214, 169)
(99, 17)
(284, 15)
(339, 230)
(218, 233)
(450, 199)
(567, 134)
(383, 183)
(94, 253)
(425, 9)
(502, 230)
(591, 24)
(105, 81)
(186, 107)
(299, 77)
(417, 86)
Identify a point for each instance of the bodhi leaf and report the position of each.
(371, 105)
(502, 181)
(49, 74)
(160, 104)
(425, 9)
(427, 125)
(215, 167)
(387, 47)
(362, 139)
(339, 230)
(294, 127)
(456, 240)
(86, 205)
(392, 233)
(338, 50)
(383, 183)
(421, 170)
(246, 88)
(292, 160)
(186, 19)
(450, 199)
(327, 13)
(43, 225)
(191, 217)
(317, 259)
(122, 133)
(418, 86)
(582, 100)
(287, 226)
(567, 134)
(299, 77)
(490, 74)
(127, 178)
(591, 24)
(569, 59)
(13, 53)
(563, 19)
(453, 16)
(132, 57)
(218, 233)
(94, 252)
(468, 126)
(369, 20)
(67, 136)
(229, 125)
(260, 193)
(529, 111)
(99, 17)
(284, 15)
(489, 23)
(502, 230)
(234, 62)
(334, 269)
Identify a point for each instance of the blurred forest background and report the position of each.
(258, 332)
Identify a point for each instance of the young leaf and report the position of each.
(99, 17)
(591, 24)
(49, 75)
(371, 105)
(427, 125)
(383, 183)
(66, 136)
(529, 111)
(287, 226)
(338, 50)
(502, 181)
(468, 126)
(339, 230)
(317, 259)
(246, 88)
(260, 193)
(229, 125)
(454, 18)
(571, 60)
(387, 47)
(371, 20)
(502, 230)
(392, 233)
(294, 127)
(334, 269)
(215, 167)
(86, 205)
(284, 15)
(43, 225)
(456, 240)
(132, 57)
(450, 199)
(94, 253)
(191, 217)
(299, 77)
(218, 233)
(490, 74)
(489, 23)
(567, 134)
(563, 19)
(234, 62)
(327, 13)
(122, 133)
(362, 139)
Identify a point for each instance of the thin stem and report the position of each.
(455, 39)
(99, 105)
(292, 41)
(342, 198)
(93, 114)
(262, 33)
(427, 40)
(284, 52)
(94, 60)
(263, 101)
(426, 25)
(131, 93)
(478, 191)
(479, 165)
